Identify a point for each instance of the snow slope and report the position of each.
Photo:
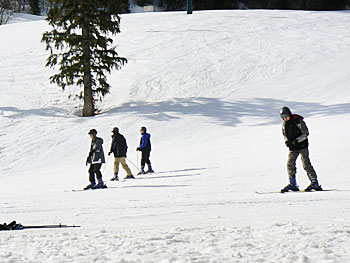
(209, 88)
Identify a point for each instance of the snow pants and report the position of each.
(291, 164)
(145, 158)
(95, 169)
(121, 160)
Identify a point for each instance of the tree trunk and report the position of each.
(88, 108)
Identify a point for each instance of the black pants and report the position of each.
(95, 169)
(145, 158)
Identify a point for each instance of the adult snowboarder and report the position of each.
(119, 149)
(96, 158)
(145, 148)
(295, 134)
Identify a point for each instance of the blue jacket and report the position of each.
(145, 142)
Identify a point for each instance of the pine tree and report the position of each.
(34, 7)
(80, 44)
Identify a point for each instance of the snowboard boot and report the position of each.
(130, 177)
(292, 186)
(90, 186)
(115, 178)
(100, 185)
(313, 186)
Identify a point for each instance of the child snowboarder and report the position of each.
(119, 149)
(295, 134)
(95, 159)
(145, 148)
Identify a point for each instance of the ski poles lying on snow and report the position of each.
(15, 226)
(50, 226)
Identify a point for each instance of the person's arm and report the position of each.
(304, 132)
(143, 141)
(284, 135)
(112, 146)
(97, 145)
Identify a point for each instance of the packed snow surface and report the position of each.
(209, 87)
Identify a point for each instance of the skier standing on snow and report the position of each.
(95, 159)
(119, 149)
(145, 148)
(295, 134)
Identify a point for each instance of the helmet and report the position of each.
(144, 129)
(285, 112)
(92, 131)
(115, 130)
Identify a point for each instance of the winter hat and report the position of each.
(92, 131)
(285, 112)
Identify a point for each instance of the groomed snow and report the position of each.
(209, 88)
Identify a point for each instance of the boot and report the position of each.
(115, 178)
(150, 170)
(142, 171)
(130, 177)
(292, 186)
(100, 184)
(90, 186)
(313, 186)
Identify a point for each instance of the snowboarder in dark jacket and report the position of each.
(145, 148)
(295, 134)
(119, 149)
(96, 158)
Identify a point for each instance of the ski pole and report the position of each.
(137, 163)
(133, 164)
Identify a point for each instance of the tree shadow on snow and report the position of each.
(225, 112)
(15, 113)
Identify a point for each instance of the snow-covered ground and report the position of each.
(209, 88)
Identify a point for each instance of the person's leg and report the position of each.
(143, 162)
(291, 166)
(116, 165)
(92, 175)
(147, 160)
(97, 171)
(308, 167)
(125, 166)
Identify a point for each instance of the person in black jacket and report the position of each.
(295, 134)
(145, 148)
(119, 149)
(96, 158)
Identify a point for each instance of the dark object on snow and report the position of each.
(14, 226)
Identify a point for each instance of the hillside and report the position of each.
(209, 88)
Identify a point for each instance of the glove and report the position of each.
(138, 149)
(109, 153)
(87, 161)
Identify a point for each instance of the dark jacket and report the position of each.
(145, 143)
(119, 146)
(96, 154)
(295, 133)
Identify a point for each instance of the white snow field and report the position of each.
(209, 88)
